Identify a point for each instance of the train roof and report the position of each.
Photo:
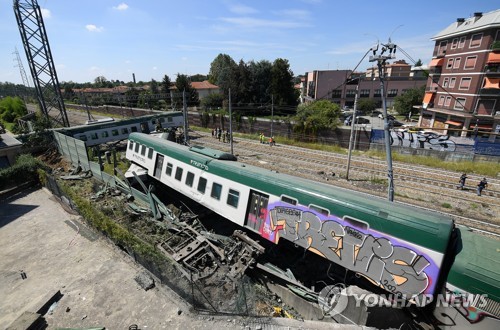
(477, 264)
(128, 121)
(413, 224)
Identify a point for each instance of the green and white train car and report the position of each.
(406, 251)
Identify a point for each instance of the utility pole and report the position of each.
(272, 114)
(230, 124)
(352, 132)
(184, 107)
(381, 59)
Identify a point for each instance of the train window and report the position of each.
(168, 171)
(150, 153)
(233, 197)
(124, 130)
(130, 145)
(170, 119)
(94, 136)
(83, 137)
(202, 185)
(115, 132)
(356, 223)
(105, 134)
(143, 150)
(189, 179)
(162, 120)
(133, 129)
(178, 173)
(216, 191)
(288, 200)
(137, 145)
(319, 209)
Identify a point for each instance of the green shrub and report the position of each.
(24, 170)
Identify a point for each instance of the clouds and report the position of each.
(122, 6)
(93, 28)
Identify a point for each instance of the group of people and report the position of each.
(221, 134)
(262, 139)
(480, 186)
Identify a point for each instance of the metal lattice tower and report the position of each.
(24, 77)
(36, 45)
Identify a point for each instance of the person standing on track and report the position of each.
(481, 185)
(462, 181)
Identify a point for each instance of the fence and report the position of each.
(218, 296)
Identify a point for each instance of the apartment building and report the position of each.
(330, 84)
(462, 93)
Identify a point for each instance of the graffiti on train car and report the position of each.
(394, 265)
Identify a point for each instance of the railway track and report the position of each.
(416, 185)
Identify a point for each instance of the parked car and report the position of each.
(359, 120)
(389, 117)
(376, 113)
(395, 123)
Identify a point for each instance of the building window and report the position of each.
(442, 48)
(456, 65)
(336, 93)
(377, 93)
(475, 41)
(202, 185)
(216, 191)
(168, 171)
(150, 153)
(465, 83)
(143, 150)
(454, 43)
(447, 102)
(449, 64)
(441, 100)
(392, 93)
(365, 93)
(459, 103)
(470, 62)
(178, 173)
(350, 93)
(452, 82)
(446, 82)
(461, 43)
(233, 197)
(189, 179)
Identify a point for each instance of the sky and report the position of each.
(151, 38)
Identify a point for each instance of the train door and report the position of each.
(256, 210)
(158, 166)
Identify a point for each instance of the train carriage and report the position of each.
(398, 248)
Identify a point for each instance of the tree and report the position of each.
(366, 105)
(403, 104)
(240, 92)
(182, 84)
(212, 101)
(100, 82)
(165, 84)
(317, 116)
(260, 81)
(222, 71)
(418, 63)
(198, 77)
(282, 86)
(12, 108)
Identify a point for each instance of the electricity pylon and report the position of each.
(36, 45)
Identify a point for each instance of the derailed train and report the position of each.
(406, 251)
